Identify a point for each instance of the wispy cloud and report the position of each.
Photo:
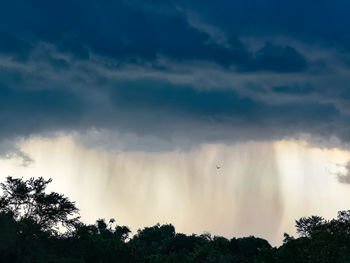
(344, 175)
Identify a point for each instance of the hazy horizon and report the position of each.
(260, 189)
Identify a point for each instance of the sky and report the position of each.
(131, 105)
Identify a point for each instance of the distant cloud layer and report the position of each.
(179, 71)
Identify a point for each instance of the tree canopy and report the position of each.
(30, 220)
(28, 200)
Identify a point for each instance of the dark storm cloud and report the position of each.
(214, 104)
(150, 68)
(277, 58)
(23, 112)
(294, 89)
(15, 47)
(169, 108)
(321, 22)
(149, 107)
(129, 33)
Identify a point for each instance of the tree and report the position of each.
(27, 200)
(306, 225)
(8, 231)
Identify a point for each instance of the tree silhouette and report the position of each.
(27, 200)
(306, 225)
(30, 217)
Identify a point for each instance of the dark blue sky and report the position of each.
(176, 70)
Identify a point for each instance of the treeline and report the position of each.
(36, 226)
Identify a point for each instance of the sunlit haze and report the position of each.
(260, 189)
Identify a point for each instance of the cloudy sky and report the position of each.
(130, 105)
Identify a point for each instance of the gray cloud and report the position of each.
(141, 79)
(53, 92)
(344, 177)
(9, 149)
(105, 29)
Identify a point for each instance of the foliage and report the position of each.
(27, 200)
(306, 225)
(28, 233)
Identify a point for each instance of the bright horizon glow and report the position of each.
(260, 190)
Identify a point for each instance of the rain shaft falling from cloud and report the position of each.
(184, 188)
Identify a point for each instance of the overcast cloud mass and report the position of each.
(179, 71)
